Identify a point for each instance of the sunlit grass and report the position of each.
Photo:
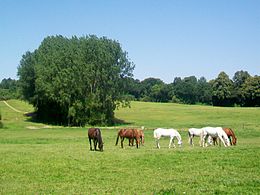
(56, 160)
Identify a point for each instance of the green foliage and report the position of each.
(8, 89)
(239, 79)
(251, 91)
(75, 81)
(186, 90)
(222, 90)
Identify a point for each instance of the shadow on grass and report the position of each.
(33, 117)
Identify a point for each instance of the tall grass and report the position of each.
(41, 159)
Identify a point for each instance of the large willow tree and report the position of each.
(75, 81)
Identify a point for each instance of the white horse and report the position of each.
(215, 132)
(160, 132)
(195, 132)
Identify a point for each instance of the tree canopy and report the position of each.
(76, 81)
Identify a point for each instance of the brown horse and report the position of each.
(141, 137)
(95, 134)
(128, 133)
(230, 133)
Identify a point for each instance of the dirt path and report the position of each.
(13, 108)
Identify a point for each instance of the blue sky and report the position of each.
(164, 38)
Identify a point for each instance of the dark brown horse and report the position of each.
(128, 133)
(95, 134)
(230, 133)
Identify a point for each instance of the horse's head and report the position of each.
(226, 140)
(180, 143)
(234, 141)
(100, 145)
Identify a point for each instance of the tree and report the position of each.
(146, 88)
(186, 89)
(204, 91)
(8, 89)
(251, 91)
(160, 93)
(134, 88)
(222, 90)
(76, 81)
(239, 79)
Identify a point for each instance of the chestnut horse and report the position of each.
(95, 134)
(130, 134)
(141, 136)
(230, 133)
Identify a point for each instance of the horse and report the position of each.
(195, 132)
(172, 133)
(95, 134)
(215, 132)
(230, 133)
(141, 136)
(128, 133)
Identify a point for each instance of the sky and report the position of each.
(164, 38)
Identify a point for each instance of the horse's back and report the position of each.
(164, 132)
(214, 131)
(195, 131)
(92, 132)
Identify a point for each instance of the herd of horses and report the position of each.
(208, 136)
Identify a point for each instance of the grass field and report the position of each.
(43, 159)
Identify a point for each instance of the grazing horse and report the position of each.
(195, 132)
(160, 132)
(230, 133)
(215, 132)
(141, 136)
(128, 133)
(95, 134)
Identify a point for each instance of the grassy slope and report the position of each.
(36, 158)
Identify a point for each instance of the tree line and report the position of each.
(78, 81)
(242, 90)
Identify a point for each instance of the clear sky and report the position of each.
(164, 38)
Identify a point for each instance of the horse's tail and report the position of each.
(100, 141)
(189, 140)
(155, 134)
(117, 138)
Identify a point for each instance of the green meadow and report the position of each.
(40, 158)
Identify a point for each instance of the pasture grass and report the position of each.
(39, 158)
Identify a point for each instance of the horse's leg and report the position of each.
(157, 143)
(202, 137)
(137, 141)
(205, 137)
(222, 140)
(90, 143)
(171, 138)
(95, 144)
(229, 137)
(122, 140)
(190, 138)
